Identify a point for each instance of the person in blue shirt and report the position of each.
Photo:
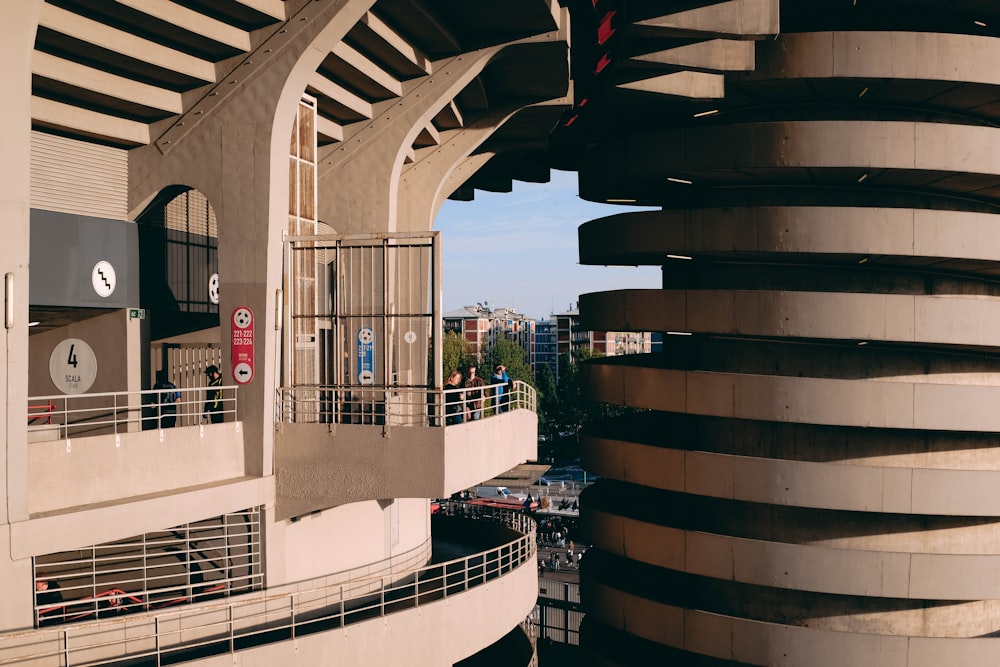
(167, 400)
(500, 379)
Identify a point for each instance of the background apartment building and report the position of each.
(575, 339)
(482, 326)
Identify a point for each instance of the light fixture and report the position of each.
(864, 91)
(620, 201)
(980, 24)
(862, 260)
(678, 180)
(678, 257)
(862, 177)
(702, 114)
(862, 342)
(33, 324)
(679, 333)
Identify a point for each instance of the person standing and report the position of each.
(500, 380)
(213, 395)
(47, 593)
(474, 394)
(453, 399)
(167, 400)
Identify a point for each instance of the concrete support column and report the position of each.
(237, 156)
(18, 23)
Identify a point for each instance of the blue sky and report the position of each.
(519, 249)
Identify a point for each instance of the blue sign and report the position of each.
(366, 355)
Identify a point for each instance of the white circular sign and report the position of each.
(410, 336)
(242, 372)
(213, 288)
(103, 278)
(73, 366)
(366, 377)
(242, 317)
(366, 335)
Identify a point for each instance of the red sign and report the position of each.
(242, 328)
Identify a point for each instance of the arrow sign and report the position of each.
(366, 356)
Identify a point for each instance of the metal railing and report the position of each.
(240, 623)
(398, 406)
(80, 415)
(210, 558)
(559, 611)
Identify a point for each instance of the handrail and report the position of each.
(45, 413)
(284, 615)
(398, 405)
(79, 415)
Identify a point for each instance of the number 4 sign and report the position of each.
(73, 366)
(242, 345)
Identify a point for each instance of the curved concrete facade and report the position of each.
(811, 478)
(286, 117)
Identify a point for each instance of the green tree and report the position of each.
(548, 399)
(510, 354)
(456, 353)
(569, 411)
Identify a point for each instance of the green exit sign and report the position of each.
(137, 313)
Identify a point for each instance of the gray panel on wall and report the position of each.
(66, 248)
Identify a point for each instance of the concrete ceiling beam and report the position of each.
(713, 55)
(693, 85)
(193, 21)
(74, 74)
(329, 129)
(273, 8)
(340, 95)
(126, 44)
(735, 18)
(400, 45)
(369, 69)
(103, 127)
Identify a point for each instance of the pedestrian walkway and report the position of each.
(566, 573)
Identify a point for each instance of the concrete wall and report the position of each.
(369, 535)
(422, 636)
(63, 474)
(817, 485)
(321, 465)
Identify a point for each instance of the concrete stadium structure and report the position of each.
(810, 475)
(812, 478)
(251, 184)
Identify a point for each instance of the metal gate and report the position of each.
(361, 340)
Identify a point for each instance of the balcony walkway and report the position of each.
(212, 628)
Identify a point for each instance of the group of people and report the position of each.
(554, 534)
(168, 397)
(555, 559)
(467, 405)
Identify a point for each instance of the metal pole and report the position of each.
(387, 300)
(288, 351)
(436, 315)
